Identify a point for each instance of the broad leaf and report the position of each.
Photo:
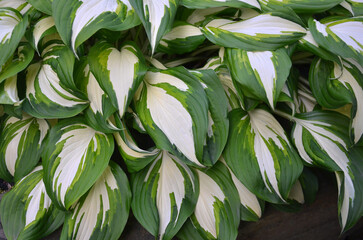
(12, 29)
(102, 212)
(198, 16)
(18, 63)
(42, 28)
(44, 6)
(263, 32)
(20, 146)
(261, 75)
(27, 212)
(74, 157)
(219, 3)
(165, 194)
(51, 92)
(119, 73)
(322, 139)
(356, 7)
(260, 155)
(135, 158)
(303, 6)
(217, 213)
(342, 37)
(77, 20)
(156, 16)
(9, 91)
(218, 123)
(173, 108)
(182, 38)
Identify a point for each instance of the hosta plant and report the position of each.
(191, 114)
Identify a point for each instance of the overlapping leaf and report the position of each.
(51, 92)
(44, 6)
(264, 32)
(342, 37)
(217, 213)
(12, 29)
(119, 73)
(261, 75)
(27, 211)
(260, 155)
(165, 194)
(102, 212)
(173, 108)
(77, 20)
(74, 158)
(20, 5)
(21, 144)
(305, 6)
(42, 28)
(156, 16)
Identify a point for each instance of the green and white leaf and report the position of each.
(99, 113)
(119, 73)
(21, 145)
(21, 5)
(303, 6)
(42, 28)
(51, 92)
(262, 75)
(263, 32)
(74, 157)
(27, 211)
(101, 213)
(217, 213)
(251, 209)
(77, 20)
(218, 123)
(135, 158)
(12, 29)
(261, 156)
(198, 16)
(173, 108)
(353, 6)
(9, 91)
(182, 38)
(156, 16)
(164, 195)
(18, 63)
(342, 37)
(220, 3)
(322, 139)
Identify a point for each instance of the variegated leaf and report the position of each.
(263, 32)
(182, 38)
(157, 17)
(164, 195)
(20, 146)
(356, 7)
(218, 123)
(77, 20)
(9, 91)
(135, 158)
(44, 6)
(217, 213)
(74, 156)
(189, 231)
(18, 63)
(173, 108)
(251, 209)
(322, 139)
(302, 6)
(260, 155)
(42, 28)
(219, 3)
(102, 212)
(27, 213)
(51, 92)
(100, 110)
(12, 29)
(20, 5)
(119, 73)
(342, 37)
(261, 74)
(198, 16)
